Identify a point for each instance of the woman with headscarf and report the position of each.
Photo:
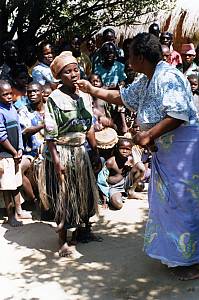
(70, 181)
(167, 117)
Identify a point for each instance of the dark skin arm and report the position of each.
(94, 157)
(145, 138)
(110, 96)
(33, 129)
(59, 169)
(17, 155)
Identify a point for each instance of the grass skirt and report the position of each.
(74, 199)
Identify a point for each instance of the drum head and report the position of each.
(106, 138)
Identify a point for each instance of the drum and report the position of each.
(106, 138)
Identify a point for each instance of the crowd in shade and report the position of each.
(84, 127)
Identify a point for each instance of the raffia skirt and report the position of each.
(74, 198)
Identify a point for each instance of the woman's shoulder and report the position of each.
(62, 100)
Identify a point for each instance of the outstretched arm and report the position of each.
(110, 96)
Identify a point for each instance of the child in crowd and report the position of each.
(11, 146)
(21, 79)
(41, 73)
(193, 79)
(166, 53)
(111, 179)
(101, 113)
(46, 92)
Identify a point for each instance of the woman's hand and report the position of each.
(59, 169)
(85, 86)
(142, 138)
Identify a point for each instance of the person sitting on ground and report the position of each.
(166, 39)
(116, 170)
(32, 123)
(41, 73)
(21, 79)
(188, 65)
(193, 80)
(11, 146)
(46, 92)
(11, 58)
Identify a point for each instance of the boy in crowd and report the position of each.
(193, 79)
(11, 146)
(116, 170)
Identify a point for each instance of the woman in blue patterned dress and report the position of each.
(167, 117)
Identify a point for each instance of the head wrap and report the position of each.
(60, 61)
(188, 49)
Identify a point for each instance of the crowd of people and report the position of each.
(79, 130)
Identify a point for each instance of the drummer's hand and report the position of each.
(106, 122)
(84, 85)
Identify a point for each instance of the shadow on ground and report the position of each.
(112, 270)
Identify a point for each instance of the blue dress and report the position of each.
(172, 230)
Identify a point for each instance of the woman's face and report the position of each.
(136, 62)
(70, 74)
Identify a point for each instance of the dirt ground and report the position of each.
(115, 269)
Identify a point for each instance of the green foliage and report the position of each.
(35, 20)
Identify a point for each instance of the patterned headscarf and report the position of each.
(60, 61)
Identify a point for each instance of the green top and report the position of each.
(64, 114)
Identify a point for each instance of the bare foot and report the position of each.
(135, 195)
(13, 222)
(59, 227)
(65, 251)
(186, 273)
(24, 214)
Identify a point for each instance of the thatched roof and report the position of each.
(182, 21)
(185, 17)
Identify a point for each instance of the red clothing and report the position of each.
(175, 58)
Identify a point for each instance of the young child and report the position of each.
(46, 92)
(116, 170)
(11, 146)
(193, 79)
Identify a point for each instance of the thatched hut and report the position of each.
(182, 20)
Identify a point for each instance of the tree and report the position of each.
(35, 20)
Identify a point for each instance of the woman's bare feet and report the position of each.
(65, 251)
(59, 227)
(186, 273)
(13, 222)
